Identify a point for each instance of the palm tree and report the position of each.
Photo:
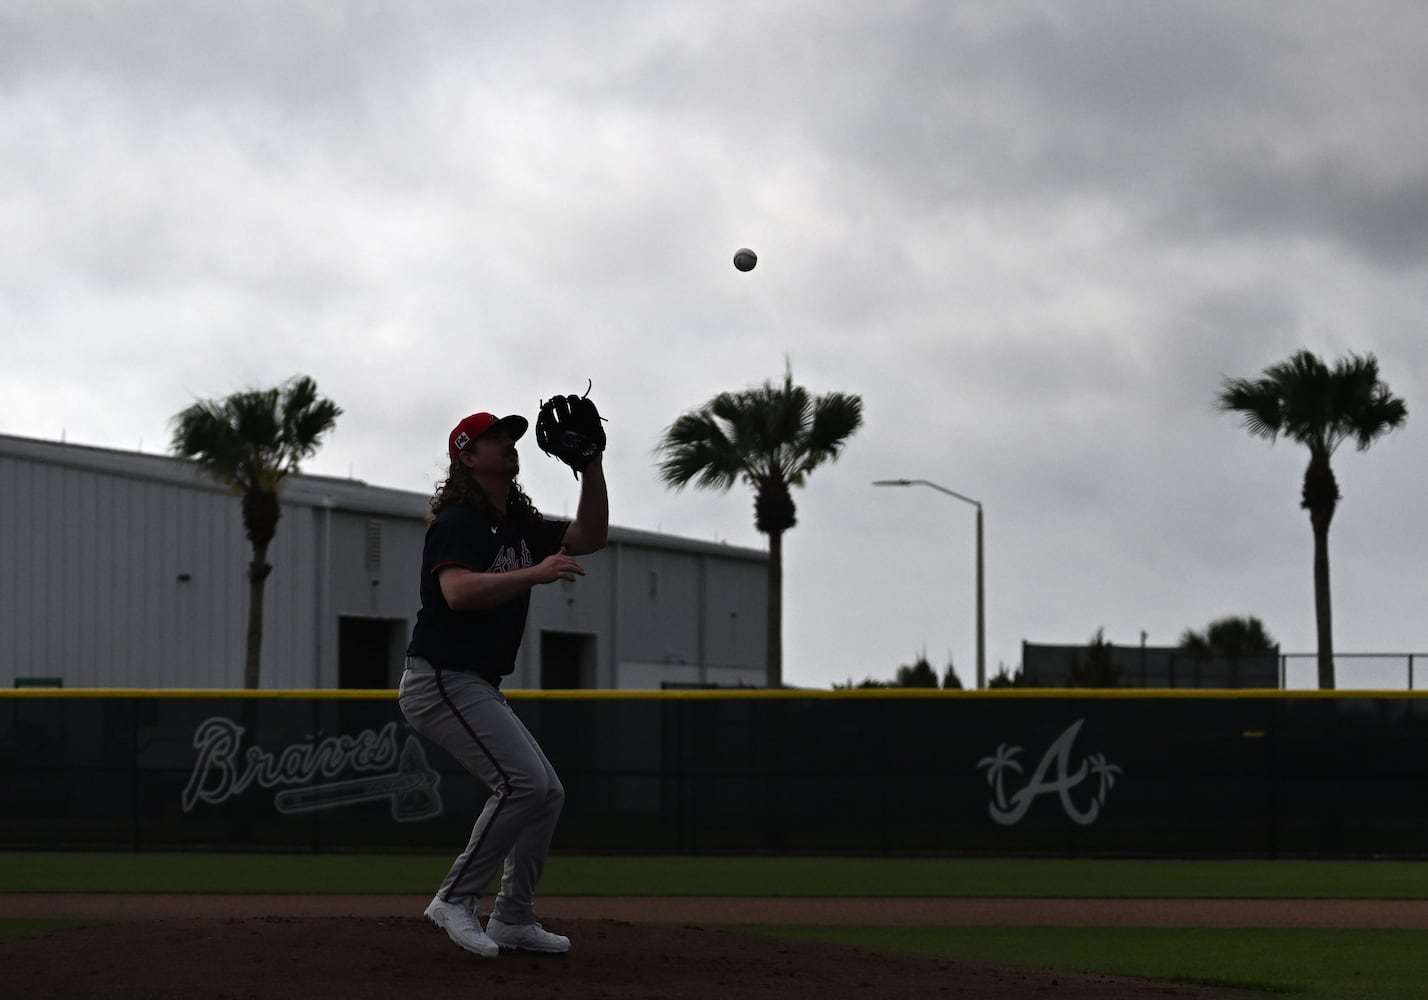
(771, 437)
(1229, 637)
(1232, 640)
(1320, 407)
(250, 442)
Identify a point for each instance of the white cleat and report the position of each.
(526, 937)
(462, 926)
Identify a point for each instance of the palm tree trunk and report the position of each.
(258, 572)
(774, 654)
(1320, 497)
(1323, 612)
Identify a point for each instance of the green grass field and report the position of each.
(1298, 963)
(54, 871)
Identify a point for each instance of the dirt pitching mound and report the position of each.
(380, 958)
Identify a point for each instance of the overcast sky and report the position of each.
(1034, 237)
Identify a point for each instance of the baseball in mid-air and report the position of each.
(745, 259)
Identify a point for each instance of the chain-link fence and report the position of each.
(1123, 666)
(1356, 671)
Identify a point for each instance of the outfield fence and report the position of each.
(1072, 773)
(1356, 671)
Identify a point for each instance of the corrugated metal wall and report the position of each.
(691, 614)
(127, 570)
(91, 579)
(662, 610)
(118, 581)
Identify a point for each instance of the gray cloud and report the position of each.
(1034, 237)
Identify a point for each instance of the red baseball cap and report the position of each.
(477, 424)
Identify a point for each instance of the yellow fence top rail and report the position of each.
(753, 694)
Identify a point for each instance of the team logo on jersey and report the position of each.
(1054, 775)
(508, 559)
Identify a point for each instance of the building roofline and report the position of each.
(330, 492)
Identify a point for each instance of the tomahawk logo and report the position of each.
(1053, 775)
(225, 769)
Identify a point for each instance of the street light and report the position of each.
(981, 608)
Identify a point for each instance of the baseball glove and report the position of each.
(569, 427)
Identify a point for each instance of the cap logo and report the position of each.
(462, 440)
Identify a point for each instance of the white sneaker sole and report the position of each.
(532, 948)
(482, 952)
(533, 951)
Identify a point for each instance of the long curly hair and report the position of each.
(461, 488)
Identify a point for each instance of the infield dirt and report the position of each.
(265, 947)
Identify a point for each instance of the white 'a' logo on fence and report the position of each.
(1053, 775)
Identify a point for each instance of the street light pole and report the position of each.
(981, 611)
(981, 590)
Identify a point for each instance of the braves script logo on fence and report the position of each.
(225, 769)
(1053, 775)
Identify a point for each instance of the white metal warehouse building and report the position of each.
(124, 569)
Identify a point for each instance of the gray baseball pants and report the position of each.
(472, 721)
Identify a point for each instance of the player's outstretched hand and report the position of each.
(558, 567)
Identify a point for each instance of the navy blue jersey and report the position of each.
(484, 641)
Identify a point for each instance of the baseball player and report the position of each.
(486, 548)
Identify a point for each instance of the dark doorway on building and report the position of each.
(567, 660)
(370, 652)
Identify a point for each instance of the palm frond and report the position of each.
(1367, 409)
(251, 440)
(1258, 402)
(1305, 400)
(699, 448)
(835, 417)
(770, 436)
(305, 418)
